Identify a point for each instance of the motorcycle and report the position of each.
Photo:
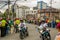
(26, 32)
(23, 33)
(45, 34)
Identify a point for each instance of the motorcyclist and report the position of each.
(44, 31)
(22, 25)
(43, 25)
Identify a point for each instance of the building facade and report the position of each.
(41, 5)
(20, 11)
(23, 11)
(45, 11)
(31, 13)
(49, 13)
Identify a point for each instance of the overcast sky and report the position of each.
(32, 3)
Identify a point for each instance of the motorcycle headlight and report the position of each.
(41, 31)
(48, 30)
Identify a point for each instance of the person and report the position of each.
(3, 27)
(16, 23)
(22, 27)
(22, 24)
(16, 28)
(57, 21)
(0, 23)
(43, 25)
(58, 34)
(11, 26)
(0, 27)
(53, 23)
(49, 23)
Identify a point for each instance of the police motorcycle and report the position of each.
(45, 34)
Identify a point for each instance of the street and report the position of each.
(33, 34)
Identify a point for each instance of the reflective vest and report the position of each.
(3, 23)
(17, 21)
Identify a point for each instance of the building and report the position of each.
(31, 13)
(50, 13)
(23, 11)
(45, 11)
(41, 5)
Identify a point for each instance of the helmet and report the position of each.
(58, 25)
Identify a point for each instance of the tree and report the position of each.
(6, 13)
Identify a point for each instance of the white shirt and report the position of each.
(20, 26)
(43, 25)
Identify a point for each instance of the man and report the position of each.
(3, 27)
(0, 27)
(58, 34)
(43, 25)
(16, 23)
(22, 24)
(57, 21)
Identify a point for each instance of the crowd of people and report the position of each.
(9, 26)
(51, 23)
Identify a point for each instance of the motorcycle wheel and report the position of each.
(49, 38)
(27, 34)
(21, 35)
(45, 38)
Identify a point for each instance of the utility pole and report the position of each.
(8, 8)
(50, 8)
(13, 8)
(18, 11)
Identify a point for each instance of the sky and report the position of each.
(55, 3)
(32, 3)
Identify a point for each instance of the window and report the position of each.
(32, 11)
(27, 11)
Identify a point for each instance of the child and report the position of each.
(58, 35)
